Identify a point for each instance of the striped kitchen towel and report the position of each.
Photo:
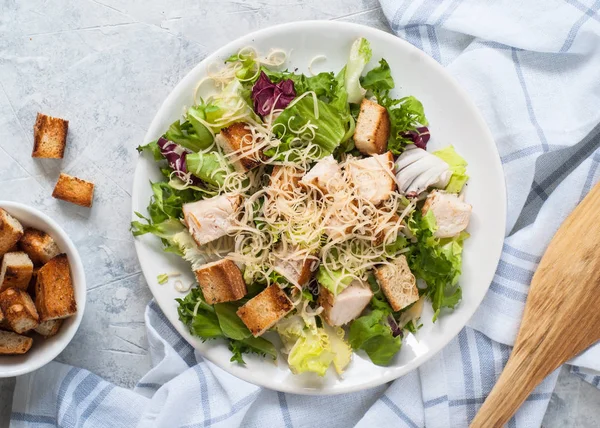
(532, 69)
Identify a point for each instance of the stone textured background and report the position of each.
(106, 67)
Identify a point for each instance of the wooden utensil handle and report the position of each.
(514, 386)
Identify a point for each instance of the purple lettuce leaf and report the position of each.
(267, 95)
(396, 330)
(175, 156)
(419, 136)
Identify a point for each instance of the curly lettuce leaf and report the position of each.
(360, 55)
(334, 281)
(231, 105)
(458, 166)
(379, 80)
(152, 148)
(437, 262)
(373, 334)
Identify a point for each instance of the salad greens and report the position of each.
(307, 126)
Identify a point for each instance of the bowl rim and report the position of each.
(367, 32)
(64, 337)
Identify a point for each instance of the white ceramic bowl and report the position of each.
(453, 118)
(45, 350)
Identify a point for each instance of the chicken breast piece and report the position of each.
(210, 219)
(373, 177)
(346, 306)
(326, 175)
(451, 213)
(293, 267)
(417, 170)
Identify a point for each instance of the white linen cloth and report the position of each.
(532, 68)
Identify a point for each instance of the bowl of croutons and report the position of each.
(42, 289)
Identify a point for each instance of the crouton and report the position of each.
(212, 218)
(10, 232)
(221, 281)
(325, 175)
(373, 177)
(262, 311)
(398, 283)
(236, 141)
(346, 306)
(372, 128)
(39, 246)
(451, 213)
(48, 328)
(293, 266)
(13, 343)
(19, 310)
(74, 190)
(16, 271)
(54, 294)
(49, 137)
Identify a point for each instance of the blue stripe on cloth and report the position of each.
(480, 400)
(582, 7)
(447, 13)
(520, 254)
(285, 411)
(235, 408)
(467, 364)
(395, 22)
(530, 111)
(149, 385)
(521, 153)
(508, 292)
(64, 385)
(413, 36)
(91, 408)
(203, 392)
(590, 177)
(577, 26)
(435, 401)
(514, 273)
(81, 392)
(408, 421)
(179, 345)
(433, 41)
(36, 419)
(486, 354)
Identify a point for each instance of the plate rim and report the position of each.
(394, 372)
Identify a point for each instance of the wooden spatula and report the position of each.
(562, 313)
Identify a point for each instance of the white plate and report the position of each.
(453, 118)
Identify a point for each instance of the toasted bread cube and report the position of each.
(212, 218)
(325, 175)
(54, 294)
(221, 281)
(372, 128)
(236, 141)
(346, 306)
(398, 283)
(13, 343)
(49, 137)
(292, 266)
(264, 310)
(19, 310)
(39, 246)
(74, 190)
(48, 328)
(451, 213)
(10, 232)
(373, 177)
(16, 271)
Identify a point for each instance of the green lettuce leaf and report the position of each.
(437, 262)
(379, 80)
(255, 345)
(335, 282)
(372, 334)
(153, 149)
(209, 167)
(226, 104)
(190, 134)
(458, 166)
(204, 323)
(311, 348)
(360, 55)
(331, 125)
(231, 325)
